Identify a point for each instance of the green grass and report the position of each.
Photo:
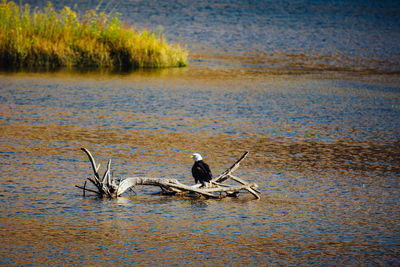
(53, 39)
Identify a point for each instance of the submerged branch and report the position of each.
(86, 189)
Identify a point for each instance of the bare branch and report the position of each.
(106, 173)
(93, 162)
(223, 176)
(87, 189)
(237, 179)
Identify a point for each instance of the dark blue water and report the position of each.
(344, 35)
(310, 89)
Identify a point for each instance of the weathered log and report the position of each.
(106, 186)
(133, 181)
(162, 182)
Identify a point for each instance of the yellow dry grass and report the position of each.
(50, 39)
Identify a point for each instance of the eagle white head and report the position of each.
(196, 157)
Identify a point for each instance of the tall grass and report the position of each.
(50, 39)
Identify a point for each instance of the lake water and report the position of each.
(311, 89)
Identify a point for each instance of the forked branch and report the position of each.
(106, 186)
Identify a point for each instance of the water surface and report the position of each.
(323, 143)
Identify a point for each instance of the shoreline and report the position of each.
(48, 39)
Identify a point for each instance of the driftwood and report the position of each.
(107, 186)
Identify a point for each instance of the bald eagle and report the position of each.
(201, 171)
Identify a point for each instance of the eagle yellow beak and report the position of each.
(191, 156)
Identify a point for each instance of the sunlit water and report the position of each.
(324, 145)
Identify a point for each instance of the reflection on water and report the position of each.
(310, 89)
(325, 153)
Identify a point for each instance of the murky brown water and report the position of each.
(324, 151)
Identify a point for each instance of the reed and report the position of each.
(50, 39)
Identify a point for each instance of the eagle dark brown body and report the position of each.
(201, 172)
